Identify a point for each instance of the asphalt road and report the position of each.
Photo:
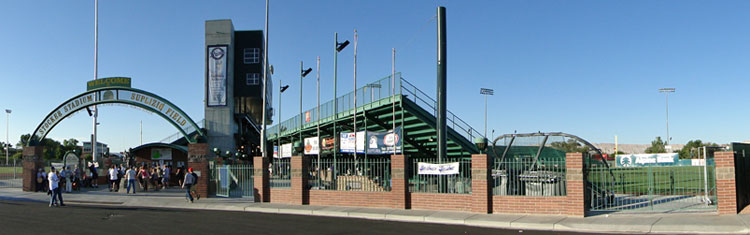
(23, 217)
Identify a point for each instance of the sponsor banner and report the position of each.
(424, 168)
(327, 144)
(275, 151)
(307, 116)
(659, 159)
(108, 82)
(161, 154)
(217, 76)
(697, 162)
(286, 150)
(378, 142)
(311, 146)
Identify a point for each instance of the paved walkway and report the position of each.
(619, 223)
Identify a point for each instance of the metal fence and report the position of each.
(232, 180)
(522, 177)
(11, 174)
(655, 188)
(281, 173)
(371, 174)
(457, 183)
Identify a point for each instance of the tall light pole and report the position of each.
(486, 92)
(263, 148)
(302, 73)
(317, 115)
(96, 75)
(666, 92)
(393, 96)
(355, 96)
(337, 47)
(7, 140)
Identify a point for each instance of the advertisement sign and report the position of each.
(307, 116)
(327, 143)
(378, 142)
(311, 146)
(437, 169)
(275, 151)
(217, 76)
(161, 154)
(286, 150)
(658, 159)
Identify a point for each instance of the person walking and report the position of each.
(112, 178)
(144, 178)
(55, 194)
(165, 177)
(40, 176)
(130, 176)
(187, 184)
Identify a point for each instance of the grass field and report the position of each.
(675, 180)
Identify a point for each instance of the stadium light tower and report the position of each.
(666, 92)
(486, 92)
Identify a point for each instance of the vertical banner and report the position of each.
(217, 76)
(275, 151)
(347, 142)
(311, 146)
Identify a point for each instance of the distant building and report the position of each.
(101, 149)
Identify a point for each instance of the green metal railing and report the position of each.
(457, 183)
(654, 188)
(367, 96)
(281, 173)
(363, 174)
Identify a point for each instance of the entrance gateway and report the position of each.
(117, 90)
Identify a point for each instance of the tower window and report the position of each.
(252, 55)
(252, 79)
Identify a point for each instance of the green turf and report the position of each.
(677, 180)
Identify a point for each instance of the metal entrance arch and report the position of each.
(119, 95)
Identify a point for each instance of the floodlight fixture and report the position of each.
(283, 88)
(486, 91)
(341, 46)
(306, 72)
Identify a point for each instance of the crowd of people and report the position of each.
(156, 177)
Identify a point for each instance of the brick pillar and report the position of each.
(726, 187)
(400, 182)
(300, 177)
(261, 186)
(198, 160)
(575, 185)
(481, 183)
(32, 161)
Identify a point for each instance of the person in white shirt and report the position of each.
(112, 178)
(54, 189)
(130, 175)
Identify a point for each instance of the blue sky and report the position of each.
(590, 68)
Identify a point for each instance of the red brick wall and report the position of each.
(351, 198)
(260, 179)
(481, 184)
(281, 195)
(571, 204)
(197, 159)
(726, 187)
(299, 181)
(442, 201)
(32, 161)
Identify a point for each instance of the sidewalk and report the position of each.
(640, 223)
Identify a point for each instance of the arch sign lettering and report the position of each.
(122, 95)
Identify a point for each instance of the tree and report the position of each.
(52, 148)
(570, 146)
(690, 149)
(657, 146)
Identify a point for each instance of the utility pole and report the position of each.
(263, 148)
(96, 76)
(666, 92)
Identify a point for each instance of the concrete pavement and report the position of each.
(692, 223)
